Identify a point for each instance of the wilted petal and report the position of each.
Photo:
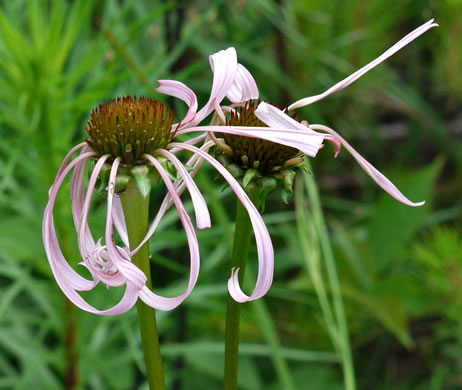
(68, 280)
(78, 189)
(125, 304)
(305, 141)
(224, 66)
(180, 91)
(59, 265)
(274, 117)
(200, 206)
(119, 258)
(150, 298)
(262, 237)
(69, 155)
(380, 179)
(118, 219)
(85, 238)
(359, 73)
(244, 86)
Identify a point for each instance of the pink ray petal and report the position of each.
(78, 189)
(86, 241)
(274, 117)
(196, 163)
(378, 177)
(224, 67)
(68, 280)
(121, 259)
(58, 262)
(359, 73)
(119, 220)
(244, 86)
(150, 298)
(68, 157)
(182, 92)
(305, 141)
(200, 206)
(262, 237)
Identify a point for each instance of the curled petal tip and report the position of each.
(336, 142)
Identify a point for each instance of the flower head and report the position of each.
(277, 119)
(129, 128)
(266, 156)
(125, 134)
(272, 116)
(134, 139)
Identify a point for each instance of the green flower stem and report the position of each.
(136, 212)
(242, 236)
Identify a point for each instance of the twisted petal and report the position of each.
(68, 280)
(96, 258)
(154, 300)
(244, 86)
(262, 237)
(200, 206)
(120, 258)
(82, 146)
(224, 67)
(301, 139)
(180, 91)
(118, 219)
(379, 178)
(196, 162)
(274, 117)
(359, 73)
(80, 211)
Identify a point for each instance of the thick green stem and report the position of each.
(136, 212)
(242, 236)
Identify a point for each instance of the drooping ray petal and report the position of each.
(200, 206)
(78, 189)
(68, 157)
(305, 141)
(192, 141)
(86, 241)
(244, 86)
(274, 117)
(93, 254)
(118, 219)
(379, 178)
(125, 304)
(150, 298)
(58, 263)
(119, 258)
(359, 73)
(224, 66)
(68, 280)
(196, 162)
(180, 91)
(262, 237)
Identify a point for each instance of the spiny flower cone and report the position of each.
(129, 127)
(265, 156)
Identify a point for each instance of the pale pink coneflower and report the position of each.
(272, 116)
(128, 134)
(275, 118)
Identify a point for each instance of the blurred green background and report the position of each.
(397, 270)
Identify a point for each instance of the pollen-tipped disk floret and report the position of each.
(255, 153)
(129, 127)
